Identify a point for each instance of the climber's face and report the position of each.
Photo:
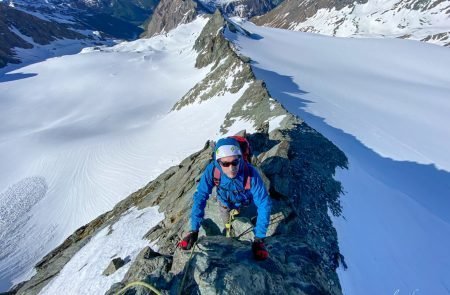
(230, 165)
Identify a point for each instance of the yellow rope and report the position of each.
(228, 227)
(139, 283)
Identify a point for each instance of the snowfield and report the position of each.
(386, 104)
(83, 274)
(79, 133)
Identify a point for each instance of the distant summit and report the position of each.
(427, 21)
(170, 13)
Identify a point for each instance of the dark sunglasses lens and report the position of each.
(227, 164)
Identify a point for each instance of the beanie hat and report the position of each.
(226, 147)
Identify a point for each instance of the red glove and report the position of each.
(259, 250)
(188, 241)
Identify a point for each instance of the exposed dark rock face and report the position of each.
(297, 164)
(290, 11)
(443, 37)
(115, 264)
(304, 16)
(131, 11)
(41, 31)
(46, 21)
(169, 14)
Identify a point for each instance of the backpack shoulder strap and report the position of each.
(216, 176)
(247, 176)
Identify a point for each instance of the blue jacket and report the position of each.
(231, 193)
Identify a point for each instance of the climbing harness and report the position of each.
(228, 227)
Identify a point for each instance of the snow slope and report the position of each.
(393, 18)
(83, 273)
(386, 104)
(79, 133)
(427, 21)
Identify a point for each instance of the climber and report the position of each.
(238, 184)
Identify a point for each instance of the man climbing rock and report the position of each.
(238, 184)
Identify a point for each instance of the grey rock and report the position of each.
(148, 263)
(226, 266)
(114, 265)
(169, 14)
(290, 11)
(41, 32)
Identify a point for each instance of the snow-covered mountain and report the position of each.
(170, 13)
(33, 30)
(241, 8)
(80, 133)
(132, 11)
(427, 21)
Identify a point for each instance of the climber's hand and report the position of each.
(259, 249)
(189, 240)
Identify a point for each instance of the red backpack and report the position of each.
(246, 155)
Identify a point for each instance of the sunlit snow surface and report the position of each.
(79, 133)
(386, 104)
(83, 274)
(382, 18)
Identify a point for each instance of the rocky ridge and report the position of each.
(427, 21)
(297, 164)
(170, 13)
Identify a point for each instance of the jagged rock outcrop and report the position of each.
(169, 14)
(427, 21)
(115, 264)
(297, 164)
(290, 11)
(229, 73)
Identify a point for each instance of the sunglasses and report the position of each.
(227, 164)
